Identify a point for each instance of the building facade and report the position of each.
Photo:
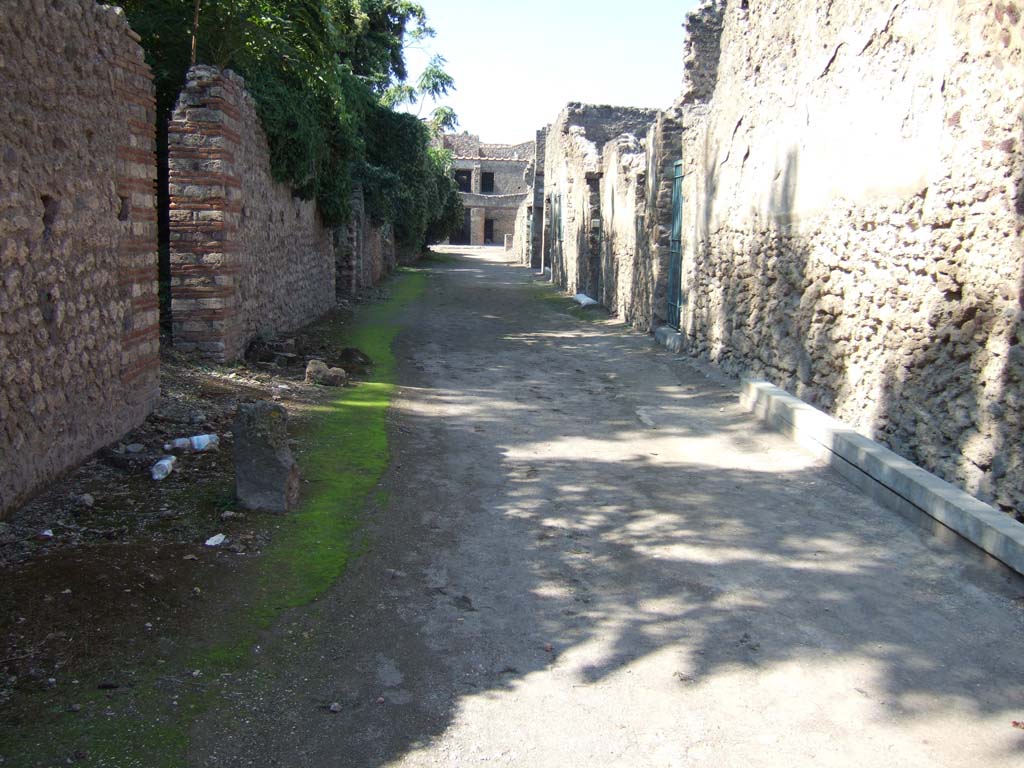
(493, 180)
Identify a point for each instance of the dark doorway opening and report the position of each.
(489, 231)
(465, 180)
(461, 236)
(487, 183)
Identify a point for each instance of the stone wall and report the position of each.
(79, 343)
(512, 170)
(364, 252)
(623, 206)
(853, 224)
(247, 257)
(467, 145)
(572, 191)
(529, 224)
(702, 51)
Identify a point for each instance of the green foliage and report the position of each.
(408, 182)
(318, 71)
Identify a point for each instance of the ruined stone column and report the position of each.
(476, 225)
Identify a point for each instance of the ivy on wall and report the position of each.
(323, 74)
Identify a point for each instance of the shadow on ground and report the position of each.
(582, 530)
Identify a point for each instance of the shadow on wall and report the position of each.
(969, 430)
(946, 396)
(755, 311)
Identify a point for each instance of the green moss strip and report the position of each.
(347, 454)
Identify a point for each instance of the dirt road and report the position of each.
(585, 554)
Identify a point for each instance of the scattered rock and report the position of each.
(86, 500)
(216, 541)
(135, 448)
(317, 372)
(335, 708)
(266, 475)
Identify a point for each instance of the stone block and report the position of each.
(266, 475)
(318, 372)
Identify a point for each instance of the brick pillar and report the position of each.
(137, 245)
(205, 213)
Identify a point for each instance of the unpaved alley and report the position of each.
(586, 554)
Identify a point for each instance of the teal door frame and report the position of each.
(675, 251)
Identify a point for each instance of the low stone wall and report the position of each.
(79, 341)
(854, 217)
(247, 257)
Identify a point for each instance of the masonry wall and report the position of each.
(247, 257)
(512, 168)
(79, 343)
(623, 208)
(364, 252)
(853, 226)
(573, 168)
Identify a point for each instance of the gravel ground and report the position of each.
(588, 554)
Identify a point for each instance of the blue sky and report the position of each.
(516, 64)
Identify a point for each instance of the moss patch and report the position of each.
(145, 721)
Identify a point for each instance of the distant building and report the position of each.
(493, 180)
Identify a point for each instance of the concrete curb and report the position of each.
(886, 477)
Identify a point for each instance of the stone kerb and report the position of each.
(205, 208)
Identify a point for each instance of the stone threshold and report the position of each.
(890, 479)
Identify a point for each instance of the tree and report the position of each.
(317, 70)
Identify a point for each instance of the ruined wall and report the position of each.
(702, 52)
(247, 257)
(523, 151)
(512, 169)
(623, 206)
(467, 145)
(854, 222)
(521, 233)
(364, 252)
(572, 178)
(78, 244)
(536, 248)
(529, 225)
